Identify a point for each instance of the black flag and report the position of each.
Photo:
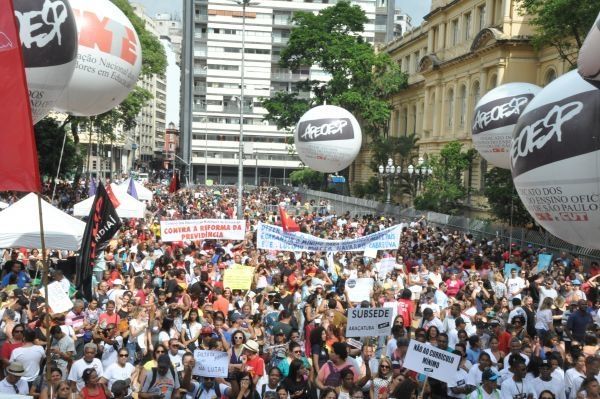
(103, 223)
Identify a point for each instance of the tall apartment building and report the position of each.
(463, 49)
(211, 83)
(169, 27)
(147, 140)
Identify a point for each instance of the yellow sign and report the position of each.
(238, 277)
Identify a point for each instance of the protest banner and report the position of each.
(369, 322)
(544, 261)
(431, 361)
(370, 253)
(238, 278)
(58, 299)
(200, 229)
(359, 289)
(211, 363)
(271, 237)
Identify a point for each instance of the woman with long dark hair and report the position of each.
(242, 387)
(320, 354)
(297, 382)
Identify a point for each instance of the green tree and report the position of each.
(361, 79)
(309, 177)
(562, 24)
(49, 135)
(501, 196)
(444, 191)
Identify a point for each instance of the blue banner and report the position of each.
(273, 238)
(508, 267)
(544, 261)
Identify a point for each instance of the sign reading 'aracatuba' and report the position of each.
(325, 130)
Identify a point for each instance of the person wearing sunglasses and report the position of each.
(160, 349)
(121, 370)
(381, 379)
(235, 352)
(13, 384)
(294, 352)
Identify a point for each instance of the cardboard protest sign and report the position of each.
(544, 261)
(431, 361)
(359, 289)
(200, 229)
(369, 322)
(58, 299)
(211, 363)
(238, 277)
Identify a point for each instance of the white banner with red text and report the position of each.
(202, 229)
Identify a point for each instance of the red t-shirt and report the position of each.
(504, 342)
(109, 319)
(406, 308)
(453, 286)
(8, 348)
(256, 366)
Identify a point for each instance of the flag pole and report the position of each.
(45, 282)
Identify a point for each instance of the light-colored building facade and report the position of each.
(171, 145)
(169, 28)
(463, 49)
(147, 139)
(210, 125)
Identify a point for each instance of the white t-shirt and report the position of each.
(507, 358)
(459, 380)
(546, 293)
(109, 353)
(177, 360)
(573, 379)
(80, 366)
(514, 285)
(543, 319)
(115, 372)
(516, 390)
(30, 357)
(554, 386)
(7, 388)
(141, 339)
(474, 376)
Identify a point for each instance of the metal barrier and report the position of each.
(480, 229)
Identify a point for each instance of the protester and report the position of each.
(282, 333)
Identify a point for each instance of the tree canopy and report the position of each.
(49, 135)
(562, 24)
(361, 79)
(444, 191)
(502, 196)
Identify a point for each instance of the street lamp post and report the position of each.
(389, 173)
(419, 174)
(240, 211)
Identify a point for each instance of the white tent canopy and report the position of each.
(20, 226)
(142, 192)
(3, 205)
(128, 207)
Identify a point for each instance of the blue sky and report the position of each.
(415, 8)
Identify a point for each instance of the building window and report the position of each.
(434, 38)
(550, 76)
(416, 64)
(482, 171)
(414, 119)
(476, 94)
(481, 14)
(450, 108)
(455, 32)
(463, 105)
(405, 121)
(493, 81)
(467, 26)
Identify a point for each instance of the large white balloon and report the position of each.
(109, 59)
(588, 63)
(494, 120)
(555, 159)
(328, 138)
(49, 42)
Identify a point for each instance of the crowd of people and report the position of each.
(520, 333)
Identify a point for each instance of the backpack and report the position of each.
(334, 379)
(155, 376)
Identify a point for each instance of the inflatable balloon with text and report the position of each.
(328, 138)
(48, 36)
(555, 159)
(588, 63)
(495, 116)
(109, 59)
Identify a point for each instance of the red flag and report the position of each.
(18, 155)
(112, 196)
(174, 185)
(288, 224)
